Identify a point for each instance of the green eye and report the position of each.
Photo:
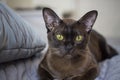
(59, 37)
(79, 38)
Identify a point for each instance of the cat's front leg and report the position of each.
(44, 75)
(91, 74)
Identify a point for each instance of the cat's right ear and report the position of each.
(88, 20)
(51, 19)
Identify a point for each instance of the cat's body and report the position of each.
(74, 49)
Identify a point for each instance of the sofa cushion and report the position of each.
(110, 69)
(18, 39)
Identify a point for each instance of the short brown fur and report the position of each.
(79, 62)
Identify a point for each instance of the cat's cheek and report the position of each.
(77, 44)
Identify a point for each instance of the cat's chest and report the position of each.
(66, 65)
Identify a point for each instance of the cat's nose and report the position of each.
(69, 47)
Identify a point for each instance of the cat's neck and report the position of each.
(53, 61)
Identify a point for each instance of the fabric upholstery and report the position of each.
(110, 69)
(18, 39)
(22, 46)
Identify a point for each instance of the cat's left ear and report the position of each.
(88, 20)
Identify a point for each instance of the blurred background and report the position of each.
(107, 23)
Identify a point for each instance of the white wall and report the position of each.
(108, 22)
(20, 3)
(4, 1)
(59, 6)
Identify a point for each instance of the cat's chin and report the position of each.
(62, 52)
(65, 54)
(68, 56)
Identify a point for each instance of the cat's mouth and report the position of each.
(67, 52)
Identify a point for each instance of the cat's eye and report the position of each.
(59, 37)
(79, 38)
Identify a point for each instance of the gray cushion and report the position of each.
(25, 69)
(18, 39)
(22, 46)
(110, 69)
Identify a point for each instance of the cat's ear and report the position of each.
(51, 19)
(88, 20)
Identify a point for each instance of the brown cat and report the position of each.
(74, 48)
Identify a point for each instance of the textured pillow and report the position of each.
(110, 69)
(18, 39)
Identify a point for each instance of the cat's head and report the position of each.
(68, 34)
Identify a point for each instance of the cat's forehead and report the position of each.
(72, 24)
(69, 26)
(65, 26)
